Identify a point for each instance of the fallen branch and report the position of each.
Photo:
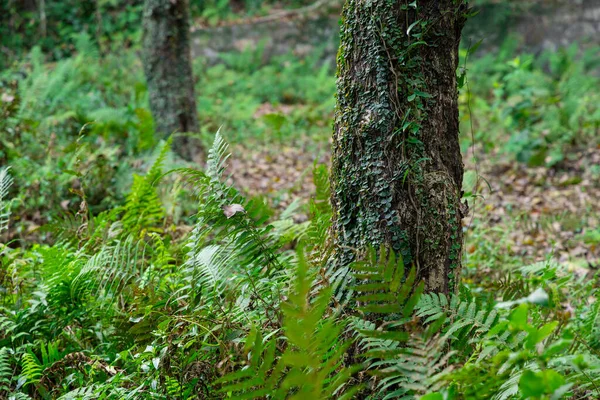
(293, 13)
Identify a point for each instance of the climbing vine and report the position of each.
(384, 176)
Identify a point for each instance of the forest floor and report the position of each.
(532, 213)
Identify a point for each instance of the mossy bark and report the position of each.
(397, 168)
(168, 70)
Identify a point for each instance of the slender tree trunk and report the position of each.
(168, 69)
(42, 11)
(397, 169)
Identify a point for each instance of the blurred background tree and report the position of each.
(167, 63)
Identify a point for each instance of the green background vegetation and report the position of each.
(118, 281)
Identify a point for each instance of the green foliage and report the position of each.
(215, 11)
(143, 209)
(55, 25)
(535, 107)
(80, 127)
(5, 183)
(5, 370)
(297, 99)
(111, 300)
(405, 362)
(465, 320)
(311, 365)
(54, 158)
(124, 310)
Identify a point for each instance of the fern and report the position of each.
(5, 183)
(81, 393)
(465, 320)
(242, 245)
(386, 296)
(32, 368)
(19, 396)
(106, 273)
(312, 364)
(287, 230)
(6, 372)
(382, 287)
(143, 209)
(259, 378)
(7, 325)
(315, 352)
(583, 371)
(591, 325)
(417, 370)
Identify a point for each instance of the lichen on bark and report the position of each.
(396, 168)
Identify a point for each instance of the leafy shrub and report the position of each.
(543, 105)
(55, 25)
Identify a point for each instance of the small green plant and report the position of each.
(535, 107)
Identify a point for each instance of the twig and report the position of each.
(291, 13)
(296, 12)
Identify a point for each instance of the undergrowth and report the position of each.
(102, 295)
(534, 109)
(86, 119)
(244, 307)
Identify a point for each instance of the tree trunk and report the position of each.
(168, 69)
(397, 169)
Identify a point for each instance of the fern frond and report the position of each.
(243, 246)
(81, 393)
(316, 350)
(312, 364)
(143, 209)
(417, 369)
(259, 378)
(286, 230)
(465, 320)
(5, 183)
(32, 368)
(217, 157)
(212, 265)
(382, 286)
(591, 325)
(7, 324)
(19, 396)
(387, 295)
(6, 372)
(106, 273)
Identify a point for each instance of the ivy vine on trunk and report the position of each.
(397, 169)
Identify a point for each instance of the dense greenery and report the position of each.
(543, 104)
(126, 273)
(120, 308)
(54, 25)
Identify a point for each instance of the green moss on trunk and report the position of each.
(168, 70)
(397, 169)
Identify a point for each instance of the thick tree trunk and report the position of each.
(397, 168)
(168, 69)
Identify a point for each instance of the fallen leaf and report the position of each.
(233, 209)
(7, 98)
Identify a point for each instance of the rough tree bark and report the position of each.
(168, 70)
(397, 168)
